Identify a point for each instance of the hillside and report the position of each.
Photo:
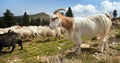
(34, 17)
(41, 15)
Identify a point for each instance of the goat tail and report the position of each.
(108, 15)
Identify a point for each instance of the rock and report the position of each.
(59, 47)
(85, 46)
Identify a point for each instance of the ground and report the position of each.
(60, 51)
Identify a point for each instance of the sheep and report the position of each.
(10, 39)
(59, 33)
(33, 30)
(76, 27)
(45, 31)
(5, 30)
(1, 31)
(23, 32)
(27, 31)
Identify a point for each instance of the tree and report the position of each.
(25, 21)
(69, 12)
(114, 13)
(43, 22)
(32, 22)
(2, 24)
(39, 21)
(8, 19)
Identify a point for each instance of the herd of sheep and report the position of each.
(34, 31)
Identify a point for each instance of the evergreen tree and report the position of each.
(36, 21)
(2, 24)
(114, 13)
(25, 21)
(42, 22)
(47, 22)
(8, 19)
(39, 21)
(69, 12)
(32, 22)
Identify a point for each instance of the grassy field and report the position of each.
(38, 51)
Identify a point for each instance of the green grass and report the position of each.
(118, 34)
(36, 48)
(118, 47)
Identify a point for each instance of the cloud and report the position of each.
(106, 5)
(88, 9)
(110, 6)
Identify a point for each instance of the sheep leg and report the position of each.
(13, 47)
(1, 49)
(20, 44)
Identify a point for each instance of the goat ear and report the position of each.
(62, 13)
(53, 19)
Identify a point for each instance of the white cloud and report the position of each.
(107, 5)
(78, 8)
(89, 9)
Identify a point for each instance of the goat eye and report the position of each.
(53, 19)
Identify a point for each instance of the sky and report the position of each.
(79, 7)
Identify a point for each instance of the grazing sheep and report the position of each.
(59, 33)
(5, 30)
(45, 31)
(10, 39)
(77, 27)
(24, 32)
(33, 30)
(1, 31)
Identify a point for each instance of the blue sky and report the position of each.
(81, 7)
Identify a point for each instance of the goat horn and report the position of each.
(58, 10)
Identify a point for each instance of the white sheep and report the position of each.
(33, 30)
(77, 27)
(59, 32)
(24, 32)
(46, 32)
(1, 31)
(15, 27)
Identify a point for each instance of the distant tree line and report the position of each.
(9, 20)
(39, 21)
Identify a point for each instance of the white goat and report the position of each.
(76, 27)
